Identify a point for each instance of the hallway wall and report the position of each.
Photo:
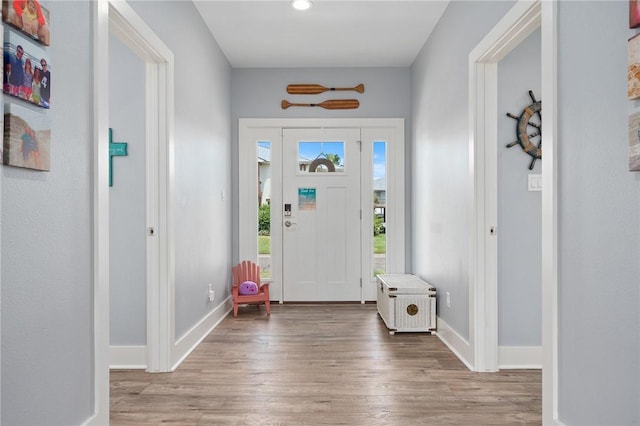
(599, 219)
(47, 260)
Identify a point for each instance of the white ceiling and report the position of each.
(333, 33)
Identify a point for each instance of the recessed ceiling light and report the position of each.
(301, 4)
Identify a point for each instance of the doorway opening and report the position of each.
(119, 18)
(524, 18)
(134, 32)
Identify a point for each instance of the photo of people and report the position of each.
(29, 16)
(27, 72)
(2, 127)
(27, 138)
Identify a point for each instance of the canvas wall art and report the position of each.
(634, 142)
(27, 138)
(633, 72)
(2, 127)
(30, 17)
(1, 106)
(27, 70)
(634, 13)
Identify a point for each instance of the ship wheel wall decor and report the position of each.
(530, 117)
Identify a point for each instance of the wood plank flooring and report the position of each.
(322, 365)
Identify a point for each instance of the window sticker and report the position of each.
(306, 198)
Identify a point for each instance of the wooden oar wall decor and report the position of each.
(328, 104)
(315, 89)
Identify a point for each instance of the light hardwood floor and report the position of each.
(322, 365)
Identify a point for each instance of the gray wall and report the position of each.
(46, 226)
(202, 219)
(127, 199)
(519, 211)
(440, 154)
(599, 220)
(257, 92)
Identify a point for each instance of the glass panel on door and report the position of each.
(264, 209)
(319, 157)
(379, 207)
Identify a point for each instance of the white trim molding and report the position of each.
(456, 343)
(520, 357)
(128, 357)
(192, 338)
(100, 415)
(549, 93)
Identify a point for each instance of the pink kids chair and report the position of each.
(244, 274)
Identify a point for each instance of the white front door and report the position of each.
(321, 215)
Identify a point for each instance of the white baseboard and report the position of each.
(127, 357)
(516, 357)
(187, 343)
(90, 421)
(458, 345)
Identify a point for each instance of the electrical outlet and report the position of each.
(212, 294)
(448, 300)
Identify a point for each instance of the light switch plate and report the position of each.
(535, 183)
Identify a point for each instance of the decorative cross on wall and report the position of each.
(118, 149)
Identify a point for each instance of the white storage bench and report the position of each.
(406, 303)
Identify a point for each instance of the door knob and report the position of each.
(288, 223)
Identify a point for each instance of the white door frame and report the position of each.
(254, 129)
(524, 18)
(118, 17)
